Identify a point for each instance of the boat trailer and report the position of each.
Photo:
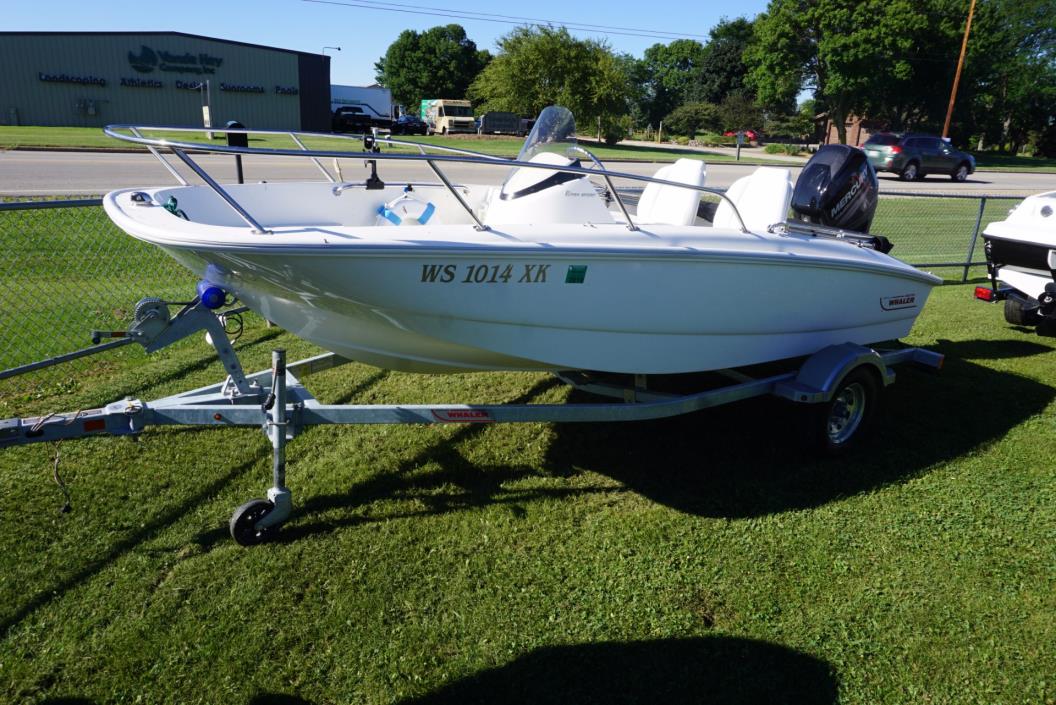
(841, 380)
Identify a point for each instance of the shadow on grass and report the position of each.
(206, 359)
(741, 460)
(278, 699)
(476, 486)
(724, 670)
(748, 459)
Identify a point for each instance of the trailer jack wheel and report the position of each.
(244, 522)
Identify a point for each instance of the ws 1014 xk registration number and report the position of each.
(485, 273)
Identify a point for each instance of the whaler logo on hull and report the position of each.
(462, 416)
(893, 303)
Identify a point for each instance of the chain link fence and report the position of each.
(940, 232)
(69, 270)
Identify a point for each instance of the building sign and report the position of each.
(141, 83)
(190, 85)
(67, 78)
(286, 90)
(149, 60)
(241, 88)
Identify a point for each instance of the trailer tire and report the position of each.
(1019, 314)
(839, 424)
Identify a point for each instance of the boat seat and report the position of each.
(670, 205)
(762, 198)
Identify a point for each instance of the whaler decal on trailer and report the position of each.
(484, 273)
(462, 416)
(893, 303)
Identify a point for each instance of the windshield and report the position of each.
(554, 131)
(458, 111)
(882, 140)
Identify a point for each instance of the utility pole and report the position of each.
(957, 76)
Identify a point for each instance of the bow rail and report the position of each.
(442, 155)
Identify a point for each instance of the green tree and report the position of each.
(691, 118)
(670, 70)
(839, 48)
(637, 77)
(722, 69)
(541, 66)
(894, 61)
(739, 112)
(438, 63)
(798, 126)
(1011, 67)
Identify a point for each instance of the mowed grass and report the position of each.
(13, 137)
(69, 271)
(991, 161)
(694, 559)
(497, 145)
(931, 230)
(698, 559)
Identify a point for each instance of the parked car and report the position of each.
(750, 135)
(914, 156)
(408, 125)
(350, 118)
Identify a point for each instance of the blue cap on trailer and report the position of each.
(210, 294)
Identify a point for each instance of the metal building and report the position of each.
(90, 79)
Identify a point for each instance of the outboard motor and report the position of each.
(837, 188)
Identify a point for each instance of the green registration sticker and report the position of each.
(576, 274)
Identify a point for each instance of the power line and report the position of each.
(534, 19)
(505, 19)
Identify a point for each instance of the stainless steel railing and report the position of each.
(446, 155)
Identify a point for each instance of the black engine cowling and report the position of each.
(837, 188)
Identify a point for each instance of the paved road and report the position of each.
(61, 173)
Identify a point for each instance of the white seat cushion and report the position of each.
(671, 205)
(762, 198)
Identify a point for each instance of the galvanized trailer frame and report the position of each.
(277, 401)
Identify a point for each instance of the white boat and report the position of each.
(546, 271)
(1021, 262)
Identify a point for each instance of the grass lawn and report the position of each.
(697, 559)
(92, 137)
(677, 561)
(990, 161)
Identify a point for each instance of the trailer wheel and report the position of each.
(243, 522)
(1019, 314)
(840, 423)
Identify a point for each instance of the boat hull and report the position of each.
(438, 312)
(1021, 250)
(450, 297)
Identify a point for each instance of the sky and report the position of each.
(364, 30)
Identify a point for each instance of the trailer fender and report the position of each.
(821, 374)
